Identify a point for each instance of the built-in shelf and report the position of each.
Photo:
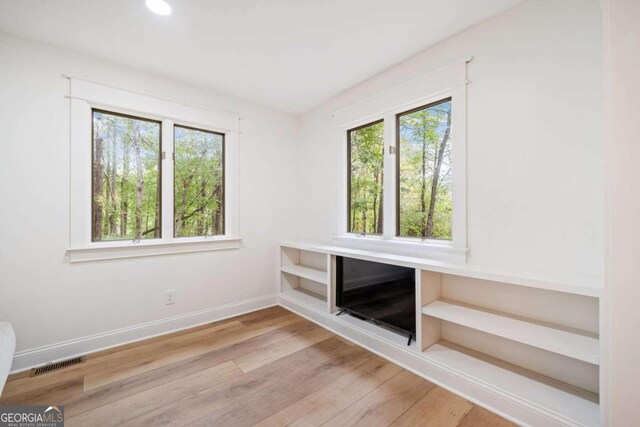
(308, 298)
(555, 377)
(306, 273)
(579, 285)
(570, 406)
(559, 341)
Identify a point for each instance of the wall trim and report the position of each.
(507, 406)
(27, 359)
(122, 250)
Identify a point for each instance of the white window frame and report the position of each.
(86, 96)
(447, 82)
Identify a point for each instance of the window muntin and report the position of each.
(365, 178)
(424, 182)
(126, 177)
(198, 182)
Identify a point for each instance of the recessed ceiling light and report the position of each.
(159, 7)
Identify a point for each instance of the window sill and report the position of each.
(125, 249)
(431, 249)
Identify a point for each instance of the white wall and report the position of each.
(535, 197)
(50, 301)
(622, 177)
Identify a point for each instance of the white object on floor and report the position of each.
(7, 348)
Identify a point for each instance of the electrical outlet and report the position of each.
(169, 297)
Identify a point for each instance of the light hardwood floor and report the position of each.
(267, 368)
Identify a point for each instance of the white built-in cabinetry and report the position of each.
(527, 339)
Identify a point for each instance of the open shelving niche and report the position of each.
(305, 277)
(532, 339)
(527, 342)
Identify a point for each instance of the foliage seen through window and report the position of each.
(198, 182)
(366, 155)
(126, 177)
(424, 172)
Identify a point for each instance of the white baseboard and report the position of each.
(508, 406)
(28, 359)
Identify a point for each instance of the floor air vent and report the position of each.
(55, 366)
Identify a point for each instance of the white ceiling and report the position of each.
(286, 54)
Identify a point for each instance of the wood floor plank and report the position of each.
(154, 348)
(268, 368)
(251, 317)
(384, 404)
(346, 341)
(161, 338)
(257, 317)
(438, 408)
(138, 383)
(255, 408)
(480, 417)
(209, 401)
(120, 411)
(159, 346)
(259, 358)
(113, 374)
(28, 384)
(48, 394)
(176, 339)
(143, 352)
(327, 401)
(116, 360)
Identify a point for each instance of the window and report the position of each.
(126, 177)
(423, 184)
(149, 176)
(424, 196)
(366, 156)
(198, 182)
(403, 189)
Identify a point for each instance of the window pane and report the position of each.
(126, 177)
(424, 172)
(366, 154)
(198, 182)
